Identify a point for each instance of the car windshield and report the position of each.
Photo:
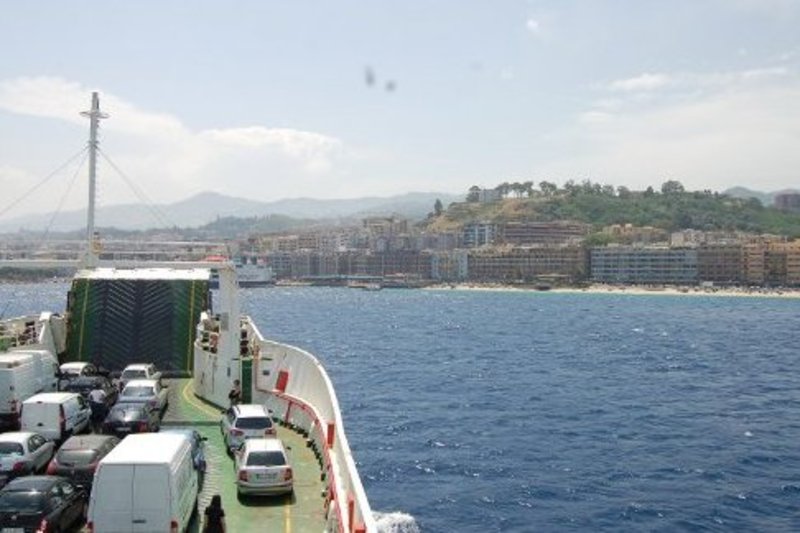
(71, 372)
(138, 392)
(266, 459)
(11, 448)
(76, 457)
(261, 422)
(134, 374)
(21, 502)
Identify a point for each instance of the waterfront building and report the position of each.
(720, 264)
(643, 265)
(449, 265)
(515, 264)
(395, 262)
(772, 262)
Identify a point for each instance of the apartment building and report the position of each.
(721, 264)
(449, 265)
(772, 263)
(476, 234)
(527, 263)
(643, 265)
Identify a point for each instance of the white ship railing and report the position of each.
(46, 331)
(295, 386)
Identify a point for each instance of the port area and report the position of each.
(300, 512)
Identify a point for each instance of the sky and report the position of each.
(341, 99)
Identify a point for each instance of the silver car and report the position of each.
(245, 421)
(148, 391)
(262, 467)
(23, 453)
(139, 371)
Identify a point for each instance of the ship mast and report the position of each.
(94, 115)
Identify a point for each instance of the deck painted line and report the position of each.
(192, 401)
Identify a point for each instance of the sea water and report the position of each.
(539, 411)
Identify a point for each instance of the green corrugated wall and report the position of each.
(117, 322)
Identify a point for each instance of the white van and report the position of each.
(55, 415)
(147, 483)
(23, 374)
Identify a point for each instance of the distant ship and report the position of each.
(249, 272)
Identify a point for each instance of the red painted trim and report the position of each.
(283, 379)
(351, 511)
(331, 434)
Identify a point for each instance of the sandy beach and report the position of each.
(636, 290)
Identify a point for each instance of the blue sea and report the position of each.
(513, 411)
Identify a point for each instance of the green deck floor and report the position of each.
(302, 512)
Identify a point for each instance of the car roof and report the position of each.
(142, 383)
(264, 445)
(250, 409)
(83, 442)
(75, 364)
(146, 448)
(16, 436)
(181, 431)
(51, 397)
(32, 483)
(138, 366)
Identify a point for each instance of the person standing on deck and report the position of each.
(214, 521)
(97, 403)
(235, 395)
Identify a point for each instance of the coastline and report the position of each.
(635, 290)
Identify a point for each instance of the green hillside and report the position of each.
(672, 208)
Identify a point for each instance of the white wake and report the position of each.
(395, 522)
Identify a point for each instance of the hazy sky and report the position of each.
(337, 99)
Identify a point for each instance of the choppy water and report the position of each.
(499, 411)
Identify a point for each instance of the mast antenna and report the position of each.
(94, 115)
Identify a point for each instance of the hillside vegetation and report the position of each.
(672, 208)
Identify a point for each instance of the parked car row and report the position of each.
(103, 478)
(261, 462)
(134, 464)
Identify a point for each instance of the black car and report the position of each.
(127, 418)
(78, 457)
(85, 384)
(41, 503)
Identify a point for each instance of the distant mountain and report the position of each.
(766, 198)
(206, 207)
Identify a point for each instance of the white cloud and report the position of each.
(171, 161)
(533, 25)
(742, 128)
(643, 82)
(650, 82)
